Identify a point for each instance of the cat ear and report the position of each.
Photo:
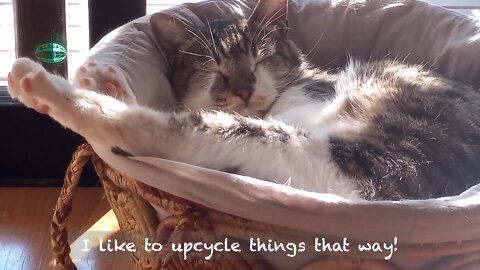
(170, 32)
(273, 11)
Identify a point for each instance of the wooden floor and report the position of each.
(25, 216)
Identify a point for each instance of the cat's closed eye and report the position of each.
(220, 80)
(225, 78)
(220, 100)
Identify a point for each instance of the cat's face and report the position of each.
(239, 65)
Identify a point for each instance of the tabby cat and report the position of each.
(249, 102)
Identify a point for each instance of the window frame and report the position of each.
(36, 149)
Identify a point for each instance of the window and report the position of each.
(77, 28)
(77, 32)
(76, 13)
(36, 150)
(77, 35)
(7, 40)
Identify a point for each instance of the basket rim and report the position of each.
(440, 220)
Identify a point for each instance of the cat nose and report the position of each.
(244, 94)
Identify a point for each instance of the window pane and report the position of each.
(77, 27)
(7, 39)
(77, 33)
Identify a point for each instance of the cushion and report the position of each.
(409, 31)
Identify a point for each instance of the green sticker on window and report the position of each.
(51, 53)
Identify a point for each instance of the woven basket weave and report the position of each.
(185, 221)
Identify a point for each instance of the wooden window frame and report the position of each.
(35, 150)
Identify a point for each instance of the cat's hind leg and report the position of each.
(105, 79)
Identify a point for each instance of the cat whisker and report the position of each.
(307, 56)
(315, 47)
(288, 83)
(209, 60)
(189, 28)
(202, 39)
(259, 29)
(289, 73)
(263, 25)
(267, 34)
(207, 41)
(299, 64)
(276, 15)
(206, 69)
(211, 35)
(196, 54)
(203, 42)
(249, 36)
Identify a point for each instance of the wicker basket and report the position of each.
(132, 203)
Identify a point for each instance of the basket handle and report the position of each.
(58, 229)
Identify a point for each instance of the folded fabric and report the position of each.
(329, 34)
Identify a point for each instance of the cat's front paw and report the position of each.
(104, 79)
(32, 85)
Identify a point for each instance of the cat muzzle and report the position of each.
(245, 94)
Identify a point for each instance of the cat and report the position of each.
(249, 102)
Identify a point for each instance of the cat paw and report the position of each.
(104, 79)
(32, 85)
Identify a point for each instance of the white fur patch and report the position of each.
(264, 88)
(321, 120)
(201, 99)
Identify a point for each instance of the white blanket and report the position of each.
(407, 30)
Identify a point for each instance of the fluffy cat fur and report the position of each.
(249, 102)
